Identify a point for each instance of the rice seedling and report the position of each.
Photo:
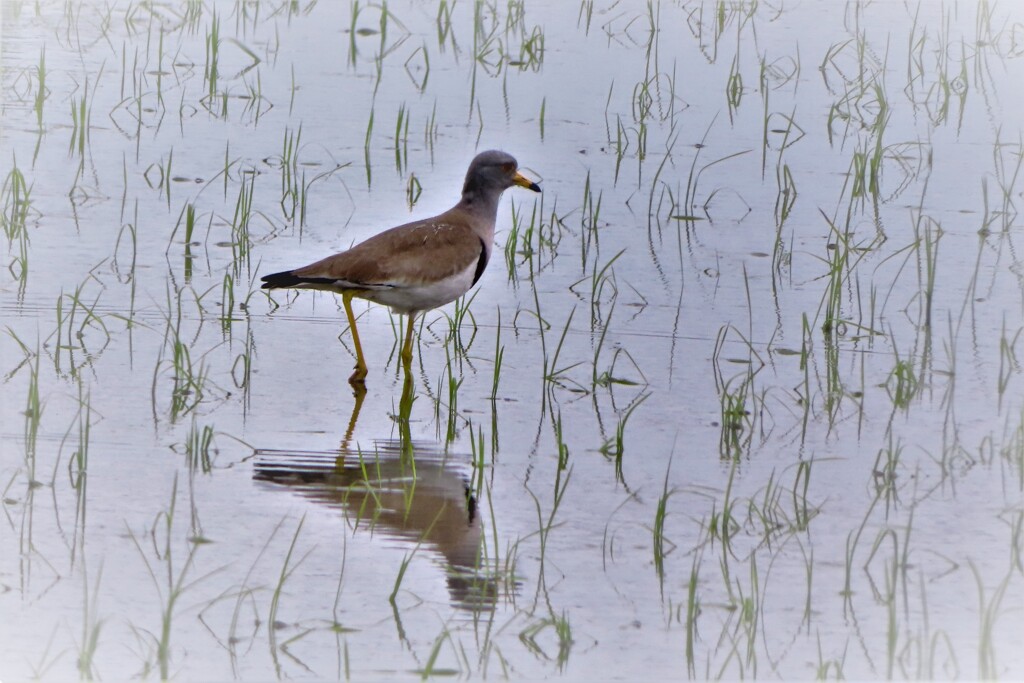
(802, 511)
(842, 261)
(607, 377)
(366, 148)
(888, 596)
(456, 323)
(255, 103)
(78, 466)
(600, 279)
(723, 525)
(734, 87)
(402, 567)
(227, 302)
(158, 176)
(241, 243)
(852, 541)
(531, 51)
(484, 44)
(27, 355)
(292, 188)
(563, 633)
(430, 131)
(211, 70)
(586, 15)
(990, 609)
(42, 92)
(453, 399)
(831, 667)
(553, 374)
(126, 275)
(287, 569)
(70, 338)
(1012, 451)
(189, 214)
(417, 68)
(902, 384)
(1008, 161)
(413, 190)
(621, 143)
(225, 171)
(543, 107)
(784, 200)
(443, 23)
(499, 353)
(693, 611)
(92, 625)
(545, 526)
(512, 248)
(16, 201)
(771, 512)
(15, 208)
(1016, 524)
(736, 396)
(590, 213)
(615, 447)
(198, 444)
(353, 31)
(173, 587)
(33, 412)
(189, 379)
(658, 530)
(750, 617)
(689, 204)
(241, 368)
(81, 123)
(402, 138)
(430, 669)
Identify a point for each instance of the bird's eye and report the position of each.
(509, 168)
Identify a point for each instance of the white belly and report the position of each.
(422, 296)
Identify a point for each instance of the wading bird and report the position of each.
(418, 266)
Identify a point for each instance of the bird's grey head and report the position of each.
(491, 173)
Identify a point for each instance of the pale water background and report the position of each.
(758, 410)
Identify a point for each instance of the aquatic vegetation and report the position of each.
(745, 401)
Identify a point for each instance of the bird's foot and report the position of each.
(358, 377)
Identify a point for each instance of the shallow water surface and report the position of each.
(738, 394)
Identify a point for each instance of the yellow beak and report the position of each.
(523, 181)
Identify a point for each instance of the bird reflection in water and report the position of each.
(424, 501)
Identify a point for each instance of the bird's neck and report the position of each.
(481, 205)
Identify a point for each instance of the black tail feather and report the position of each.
(283, 279)
(288, 278)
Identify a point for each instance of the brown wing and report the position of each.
(418, 252)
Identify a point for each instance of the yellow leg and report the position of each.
(407, 348)
(360, 373)
(406, 404)
(359, 392)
